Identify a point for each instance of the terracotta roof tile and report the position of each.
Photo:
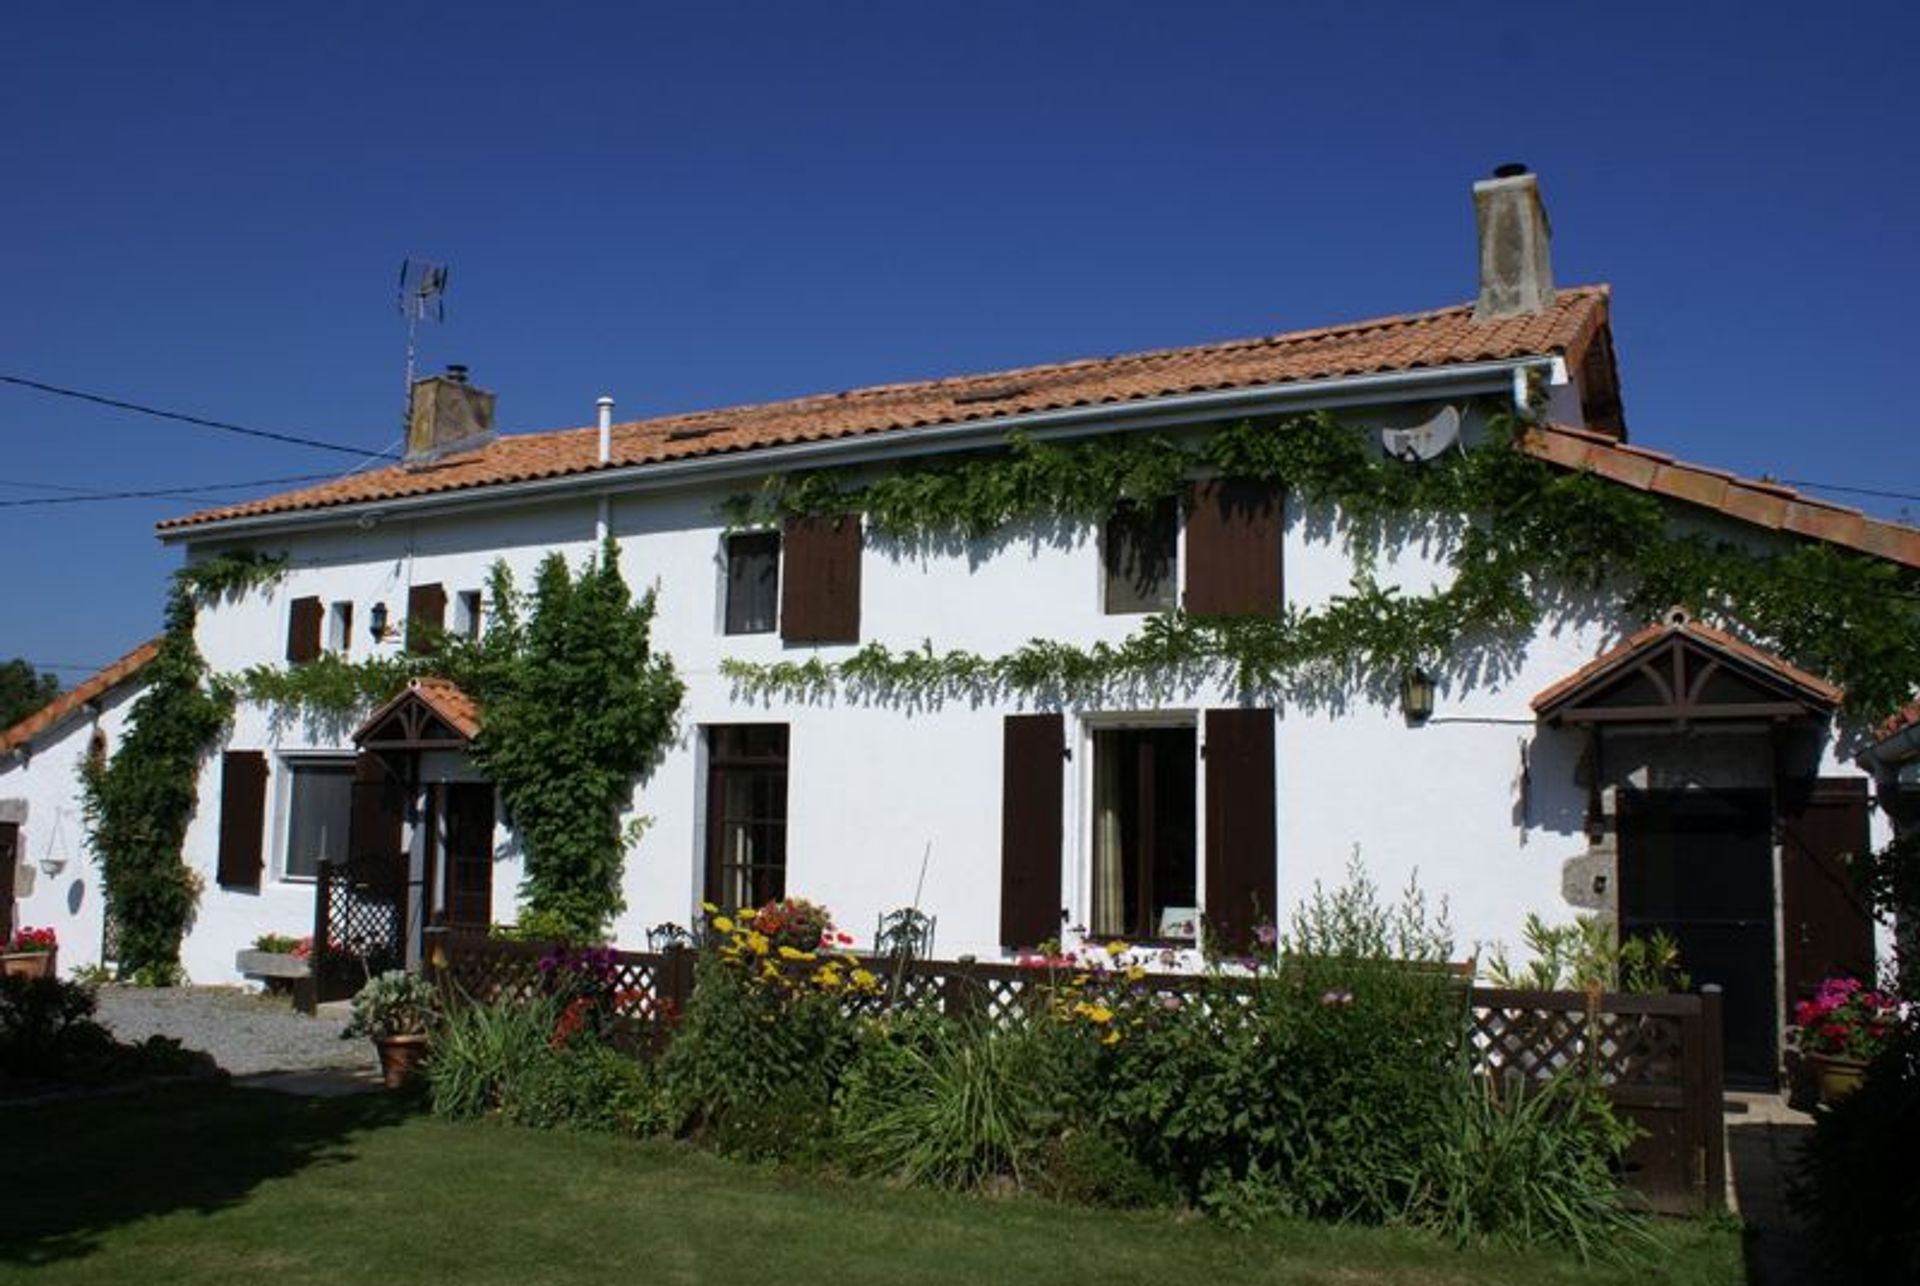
(441, 696)
(1813, 685)
(67, 703)
(1762, 503)
(1447, 337)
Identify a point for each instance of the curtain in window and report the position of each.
(1109, 856)
(317, 827)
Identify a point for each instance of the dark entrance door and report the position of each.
(469, 856)
(1699, 865)
(1828, 931)
(9, 857)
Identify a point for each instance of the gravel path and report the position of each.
(246, 1033)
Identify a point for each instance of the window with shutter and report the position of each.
(340, 628)
(243, 815)
(1031, 811)
(753, 582)
(1139, 552)
(820, 585)
(1241, 826)
(426, 619)
(303, 629)
(1233, 548)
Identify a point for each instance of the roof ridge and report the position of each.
(1428, 340)
(97, 684)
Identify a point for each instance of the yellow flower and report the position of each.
(709, 908)
(770, 970)
(721, 924)
(1116, 948)
(864, 979)
(827, 978)
(1112, 1037)
(794, 953)
(1099, 1014)
(757, 943)
(1135, 973)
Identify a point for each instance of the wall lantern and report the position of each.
(1416, 695)
(377, 621)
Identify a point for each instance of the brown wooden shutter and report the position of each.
(346, 626)
(375, 830)
(303, 629)
(243, 816)
(1827, 931)
(1031, 810)
(820, 580)
(1241, 848)
(1233, 548)
(426, 619)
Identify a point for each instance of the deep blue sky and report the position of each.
(203, 207)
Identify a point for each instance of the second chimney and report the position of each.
(1516, 271)
(447, 413)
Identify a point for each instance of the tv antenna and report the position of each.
(423, 297)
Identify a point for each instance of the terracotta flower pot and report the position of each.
(400, 1058)
(1837, 1077)
(27, 964)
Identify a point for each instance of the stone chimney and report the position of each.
(447, 414)
(1516, 272)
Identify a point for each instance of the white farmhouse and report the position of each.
(1657, 771)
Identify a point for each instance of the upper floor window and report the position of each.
(753, 582)
(1139, 551)
(303, 630)
(467, 611)
(340, 628)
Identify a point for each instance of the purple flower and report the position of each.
(1339, 996)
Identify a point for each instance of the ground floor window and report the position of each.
(1145, 877)
(746, 814)
(319, 810)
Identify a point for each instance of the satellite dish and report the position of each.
(1425, 440)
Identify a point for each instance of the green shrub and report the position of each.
(742, 1045)
(1092, 1168)
(1309, 1089)
(47, 1034)
(1856, 1180)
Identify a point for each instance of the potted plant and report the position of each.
(30, 953)
(1840, 1031)
(395, 1010)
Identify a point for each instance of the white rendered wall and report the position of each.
(58, 869)
(874, 789)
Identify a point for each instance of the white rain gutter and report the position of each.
(1506, 376)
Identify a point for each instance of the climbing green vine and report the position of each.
(139, 800)
(1521, 535)
(574, 703)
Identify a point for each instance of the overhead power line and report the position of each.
(80, 495)
(1852, 491)
(292, 439)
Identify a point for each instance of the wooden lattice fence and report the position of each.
(1657, 1057)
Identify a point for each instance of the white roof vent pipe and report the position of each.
(606, 428)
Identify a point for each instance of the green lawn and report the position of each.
(198, 1184)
